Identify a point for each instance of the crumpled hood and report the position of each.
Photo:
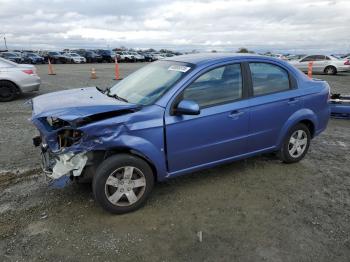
(75, 104)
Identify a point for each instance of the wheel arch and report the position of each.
(310, 125)
(328, 66)
(305, 116)
(131, 151)
(12, 82)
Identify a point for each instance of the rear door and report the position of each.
(275, 98)
(220, 130)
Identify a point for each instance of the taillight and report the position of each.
(29, 71)
(347, 62)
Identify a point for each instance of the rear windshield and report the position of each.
(6, 63)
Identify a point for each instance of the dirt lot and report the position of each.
(252, 210)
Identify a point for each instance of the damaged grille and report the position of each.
(68, 137)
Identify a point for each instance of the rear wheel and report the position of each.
(8, 91)
(122, 183)
(330, 70)
(296, 144)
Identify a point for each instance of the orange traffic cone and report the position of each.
(51, 72)
(309, 69)
(93, 73)
(117, 76)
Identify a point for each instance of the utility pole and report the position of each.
(4, 39)
(5, 42)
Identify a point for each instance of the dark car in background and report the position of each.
(91, 56)
(148, 57)
(12, 56)
(107, 55)
(32, 58)
(55, 57)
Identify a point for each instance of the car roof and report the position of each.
(202, 58)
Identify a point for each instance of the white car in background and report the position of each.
(126, 56)
(158, 56)
(138, 57)
(327, 64)
(16, 79)
(75, 58)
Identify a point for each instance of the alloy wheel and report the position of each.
(125, 186)
(297, 143)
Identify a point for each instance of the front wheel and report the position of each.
(122, 183)
(296, 144)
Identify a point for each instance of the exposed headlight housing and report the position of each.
(68, 137)
(56, 123)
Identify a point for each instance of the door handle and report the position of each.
(293, 101)
(235, 114)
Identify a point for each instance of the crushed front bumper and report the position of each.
(58, 165)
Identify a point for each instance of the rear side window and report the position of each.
(319, 57)
(217, 86)
(268, 78)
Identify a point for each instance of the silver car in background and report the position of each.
(75, 58)
(16, 79)
(326, 64)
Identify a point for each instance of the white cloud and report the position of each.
(295, 25)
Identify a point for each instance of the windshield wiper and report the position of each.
(99, 89)
(108, 93)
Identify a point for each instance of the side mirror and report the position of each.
(187, 107)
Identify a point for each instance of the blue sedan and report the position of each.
(176, 116)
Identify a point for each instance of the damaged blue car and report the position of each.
(176, 116)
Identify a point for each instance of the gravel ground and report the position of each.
(252, 210)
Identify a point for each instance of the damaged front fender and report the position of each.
(139, 130)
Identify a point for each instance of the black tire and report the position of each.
(285, 151)
(8, 91)
(107, 169)
(330, 70)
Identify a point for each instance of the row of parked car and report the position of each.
(321, 63)
(327, 64)
(82, 56)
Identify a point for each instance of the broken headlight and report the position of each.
(56, 123)
(68, 137)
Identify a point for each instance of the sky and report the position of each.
(293, 26)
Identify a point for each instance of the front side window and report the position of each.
(217, 86)
(308, 59)
(268, 78)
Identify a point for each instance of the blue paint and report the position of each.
(60, 182)
(178, 144)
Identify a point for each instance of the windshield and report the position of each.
(54, 53)
(72, 54)
(149, 83)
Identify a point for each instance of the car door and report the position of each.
(219, 132)
(304, 63)
(274, 99)
(319, 64)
